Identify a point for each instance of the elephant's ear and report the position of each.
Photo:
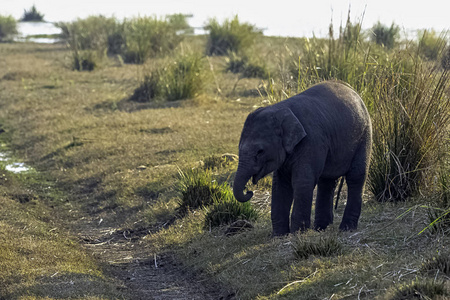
(292, 131)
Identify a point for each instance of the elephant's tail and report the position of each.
(339, 192)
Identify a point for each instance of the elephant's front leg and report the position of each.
(282, 196)
(301, 211)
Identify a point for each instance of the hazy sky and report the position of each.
(279, 17)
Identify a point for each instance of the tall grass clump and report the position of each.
(385, 36)
(179, 78)
(198, 189)
(225, 210)
(32, 15)
(410, 122)
(231, 35)
(145, 37)
(8, 27)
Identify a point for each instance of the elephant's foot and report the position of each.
(320, 226)
(348, 225)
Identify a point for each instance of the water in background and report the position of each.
(27, 29)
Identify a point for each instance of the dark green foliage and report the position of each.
(32, 15)
(226, 210)
(385, 36)
(198, 189)
(8, 27)
(418, 289)
(231, 36)
(316, 245)
(440, 262)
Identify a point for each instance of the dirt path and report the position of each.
(143, 275)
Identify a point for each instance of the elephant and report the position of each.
(310, 139)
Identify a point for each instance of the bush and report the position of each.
(231, 36)
(149, 36)
(226, 210)
(307, 245)
(410, 120)
(198, 189)
(178, 79)
(84, 60)
(32, 15)
(385, 36)
(8, 27)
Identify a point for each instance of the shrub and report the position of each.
(181, 78)
(445, 62)
(423, 289)
(307, 245)
(230, 36)
(385, 36)
(149, 36)
(8, 27)
(410, 121)
(84, 60)
(32, 15)
(225, 210)
(198, 189)
(249, 68)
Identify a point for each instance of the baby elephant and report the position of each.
(310, 139)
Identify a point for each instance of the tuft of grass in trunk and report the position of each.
(198, 189)
(225, 210)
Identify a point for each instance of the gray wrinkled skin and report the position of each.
(310, 139)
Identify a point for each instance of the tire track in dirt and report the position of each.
(143, 275)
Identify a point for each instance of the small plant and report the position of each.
(385, 36)
(198, 189)
(32, 15)
(226, 210)
(423, 289)
(318, 245)
(8, 27)
(214, 162)
(440, 262)
(230, 36)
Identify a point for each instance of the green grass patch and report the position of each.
(316, 245)
(418, 289)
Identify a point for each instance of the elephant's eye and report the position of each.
(260, 152)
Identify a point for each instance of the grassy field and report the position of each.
(103, 161)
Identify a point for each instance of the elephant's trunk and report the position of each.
(241, 179)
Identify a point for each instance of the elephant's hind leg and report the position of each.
(324, 203)
(356, 179)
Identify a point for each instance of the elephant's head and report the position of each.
(269, 135)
